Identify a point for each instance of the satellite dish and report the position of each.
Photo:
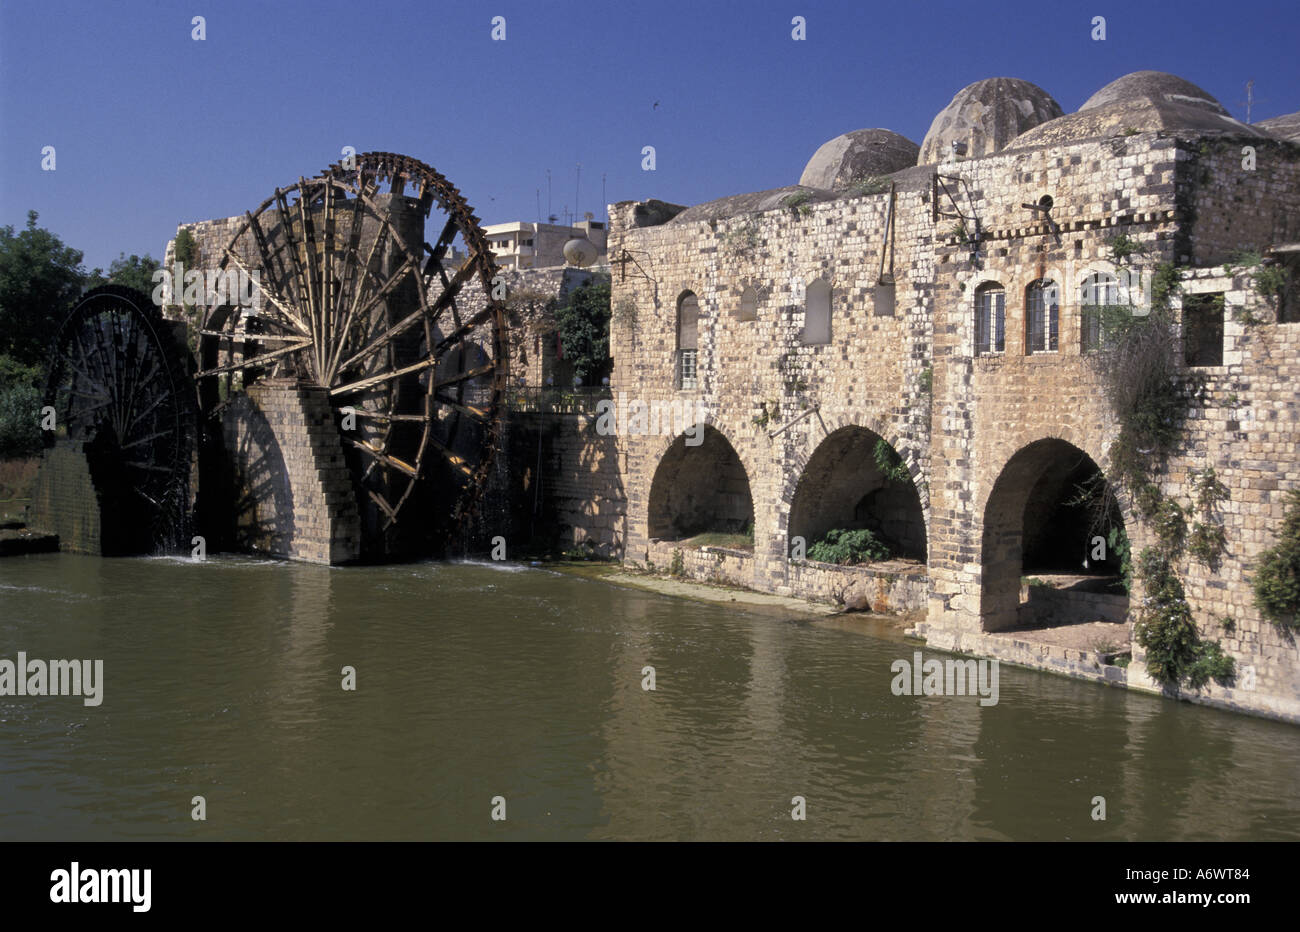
(580, 251)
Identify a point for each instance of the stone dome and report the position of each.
(1157, 87)
(580, 252)
(1282, 127)
(986, 116)
(853, 156)
(1141, 102)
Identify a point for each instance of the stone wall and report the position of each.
(291, 488)
(65, 501)
(560, 486)
(975, 432)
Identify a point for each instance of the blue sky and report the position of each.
(152, 128)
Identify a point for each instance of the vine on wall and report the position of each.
(1141, 371)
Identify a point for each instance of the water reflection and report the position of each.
(223, 679)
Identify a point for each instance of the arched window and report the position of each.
(688, 328)
(990, 319)
(817, 312)
(1043, 316)
(1099, 290)
(748, 304)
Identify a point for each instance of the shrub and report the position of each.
(846, 548)
(1207, 542)
(890, 463)
(1123, 246)
(20, 413)
(867, 184)
(1165, 629)
(1277, 581)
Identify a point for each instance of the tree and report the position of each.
(134, 272)
(584, 330)
(40, 278)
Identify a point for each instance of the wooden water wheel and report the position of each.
(404, 334)
(119, 389)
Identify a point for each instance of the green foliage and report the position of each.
(867, 184)
(583, 323)
(925, 381)
(20, 413)
(770, 411)
(1211, 663)
(133, 272)
(1123, 246)
(799, 202)
(40, 278)
(845, 547)
(890, 463)
(1277, 580)
(677, 566)
(1165, 629)
(1141, 371)
(742, 240)
(1229, 624)
(1207, 542)
(186, 249)
(1170, 526)
(1117, 543)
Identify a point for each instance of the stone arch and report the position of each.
(840, 486)
(1033, 522)
(699, 488)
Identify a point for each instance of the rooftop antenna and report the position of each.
(539, 205)
(577, 186)
(1250, 98)
(604, 206)
(549, 212)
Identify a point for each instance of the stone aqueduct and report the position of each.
(941, 308)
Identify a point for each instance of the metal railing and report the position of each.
(545, 399)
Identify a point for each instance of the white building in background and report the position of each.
(521, 245)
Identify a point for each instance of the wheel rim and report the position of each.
(355, 301)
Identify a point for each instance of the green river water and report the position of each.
(474, 681)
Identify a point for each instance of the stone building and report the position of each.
(906, 342)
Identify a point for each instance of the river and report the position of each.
(223, 679)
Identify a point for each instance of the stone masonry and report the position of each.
(291, 484)
(908, 255)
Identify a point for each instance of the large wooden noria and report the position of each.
(355, 300)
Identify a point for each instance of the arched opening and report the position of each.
(855, 480)
(990, 319)
(1042, 317)
(1099, 291)
(1054, 543)
(688, 326)
(748, 309)
(817, 312)
(702, 489)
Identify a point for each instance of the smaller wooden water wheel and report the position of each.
(119, 388)
(409, 345)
